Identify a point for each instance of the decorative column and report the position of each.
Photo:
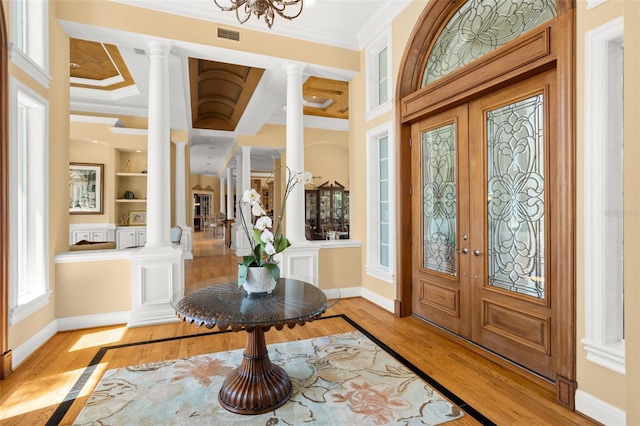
(230, 215)
(157, 270)
(301, 259)
(243, 246)
(236, 224)
(223, 200)
(180, 202)
(158, 180)
(294, 212)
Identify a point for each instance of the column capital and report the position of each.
(294, 68)
(159, 47)
(180, 144)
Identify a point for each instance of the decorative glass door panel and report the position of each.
(440, 187)
(516, 185)
(512, 143)
(439, 199)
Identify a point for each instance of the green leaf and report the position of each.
(274, 269)
(242, 273)
(257, 236)
(281, 243)
(258, 254)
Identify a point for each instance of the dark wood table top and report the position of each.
(227, 306)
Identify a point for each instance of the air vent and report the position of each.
(139, 51)
(228, 34)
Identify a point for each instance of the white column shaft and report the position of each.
(229, 195)
(158, 179)
(181, 197)
(246, 184)
(294, 212)
(223, 200)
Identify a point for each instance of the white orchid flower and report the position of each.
(307, 178)
(257, 210)
(269, 249)
(263, 223)
(250, 196)
(266, 236)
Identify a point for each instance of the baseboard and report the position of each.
(89, 321)
(599, 410)
(23, 351)
(383, 302)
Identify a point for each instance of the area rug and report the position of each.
(337, 380)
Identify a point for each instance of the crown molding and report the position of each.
(383, 18)
(108, 109)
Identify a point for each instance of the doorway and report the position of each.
(480, 263)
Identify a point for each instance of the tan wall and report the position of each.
(326, 152)
(102, 286)
(339, 267)
(620, 391)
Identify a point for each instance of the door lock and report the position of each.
(463, 250)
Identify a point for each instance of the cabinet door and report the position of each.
(98, 236)
(141, 236)
(126, 238)
(81, 235)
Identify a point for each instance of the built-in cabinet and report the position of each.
(131, 236)
(94, 232)
(130, 184)
(327, 212)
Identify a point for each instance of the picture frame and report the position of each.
(86, 188)
(137, 218)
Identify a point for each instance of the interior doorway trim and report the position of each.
(5, 352)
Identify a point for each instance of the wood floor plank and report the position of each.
(32, 393)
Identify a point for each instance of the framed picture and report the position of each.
(86, 185)
(137, 218)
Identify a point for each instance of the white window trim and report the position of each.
(598, 298)
(373, 267)
(39, 72)
(371, 57)
(18, 310)
(593, 3)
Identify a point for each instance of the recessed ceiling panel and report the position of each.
(220, 93)
(326, 98)
(96, 65)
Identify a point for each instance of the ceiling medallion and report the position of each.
(268, 8)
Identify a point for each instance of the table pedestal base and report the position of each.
(256, 386)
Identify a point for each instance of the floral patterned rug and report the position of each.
(344, 379)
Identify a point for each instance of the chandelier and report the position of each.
(266, 8)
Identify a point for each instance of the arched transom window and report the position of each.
(481, 26)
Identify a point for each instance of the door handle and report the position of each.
(476, 253)
(463, 250)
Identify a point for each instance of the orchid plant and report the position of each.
(265, 239)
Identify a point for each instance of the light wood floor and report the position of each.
(33, 393)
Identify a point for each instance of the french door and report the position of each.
(482, 211)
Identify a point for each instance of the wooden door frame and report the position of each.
(414, 103)
(5, 352)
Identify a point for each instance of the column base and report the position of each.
(186, 242)
(300, 261)
(157, 278)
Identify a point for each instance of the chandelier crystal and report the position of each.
(267, 8)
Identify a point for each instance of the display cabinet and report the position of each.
(327, 212)
(130, 184)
